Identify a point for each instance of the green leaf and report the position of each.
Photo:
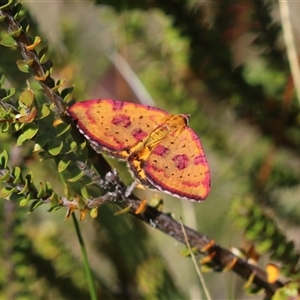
(56, 149)
(66, 92)
(62, 128)
(41, 191)
(25, 188)
(24, 66)
(76, 176)
(4, 159)
(35, 86)
(44, 112)
(30, 130)
(73, 146)
(264, 246)
(84, 192)
(8, 94)
(8, 41)
(5, 176)
(37, 147)
(16, 33)
(20, 15)
(23, 202)
(5, 127)
(55, 200)
(6, 192)
(34, 205)
(7, 4)
(42, 54)
(62, 165)
(54, 208)
(21, 139)
(278, 251)
(26, 98)
(17, 173)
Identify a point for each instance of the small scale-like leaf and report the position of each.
(8, 41)
(66, 92)
(264, 246)
(44, 111)
(37, 147)
(62, 165)
(16, 33)
(4, 159)
(258, 226)
(62, 128)
(251, 235)
(73, 146)
(55, 200)
(5, 127)
(20, 16)
(17, 173)
(25, 188)
(56, 149)
(76, 176)
(5, 176)
(6, 4)
(6, 192)
(6, 95)
(48, 187)
(84, 192)
(26, 98)
(34, 205)
(24, 66)
(54, 208)
(278, 251)
(59, 84)
(41, 191)
(42, 54)
(83, 145)
(35, 86)
(17, 126)
(30, 130)
(23, 202)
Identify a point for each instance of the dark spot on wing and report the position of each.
(139, 134)
(181, 161)
(121, 120)
(161, 151)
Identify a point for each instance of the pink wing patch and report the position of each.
(181, 170)
(114, 126)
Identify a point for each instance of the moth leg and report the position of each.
(135, 184)
(130, 188)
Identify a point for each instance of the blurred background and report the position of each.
(223, 62)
